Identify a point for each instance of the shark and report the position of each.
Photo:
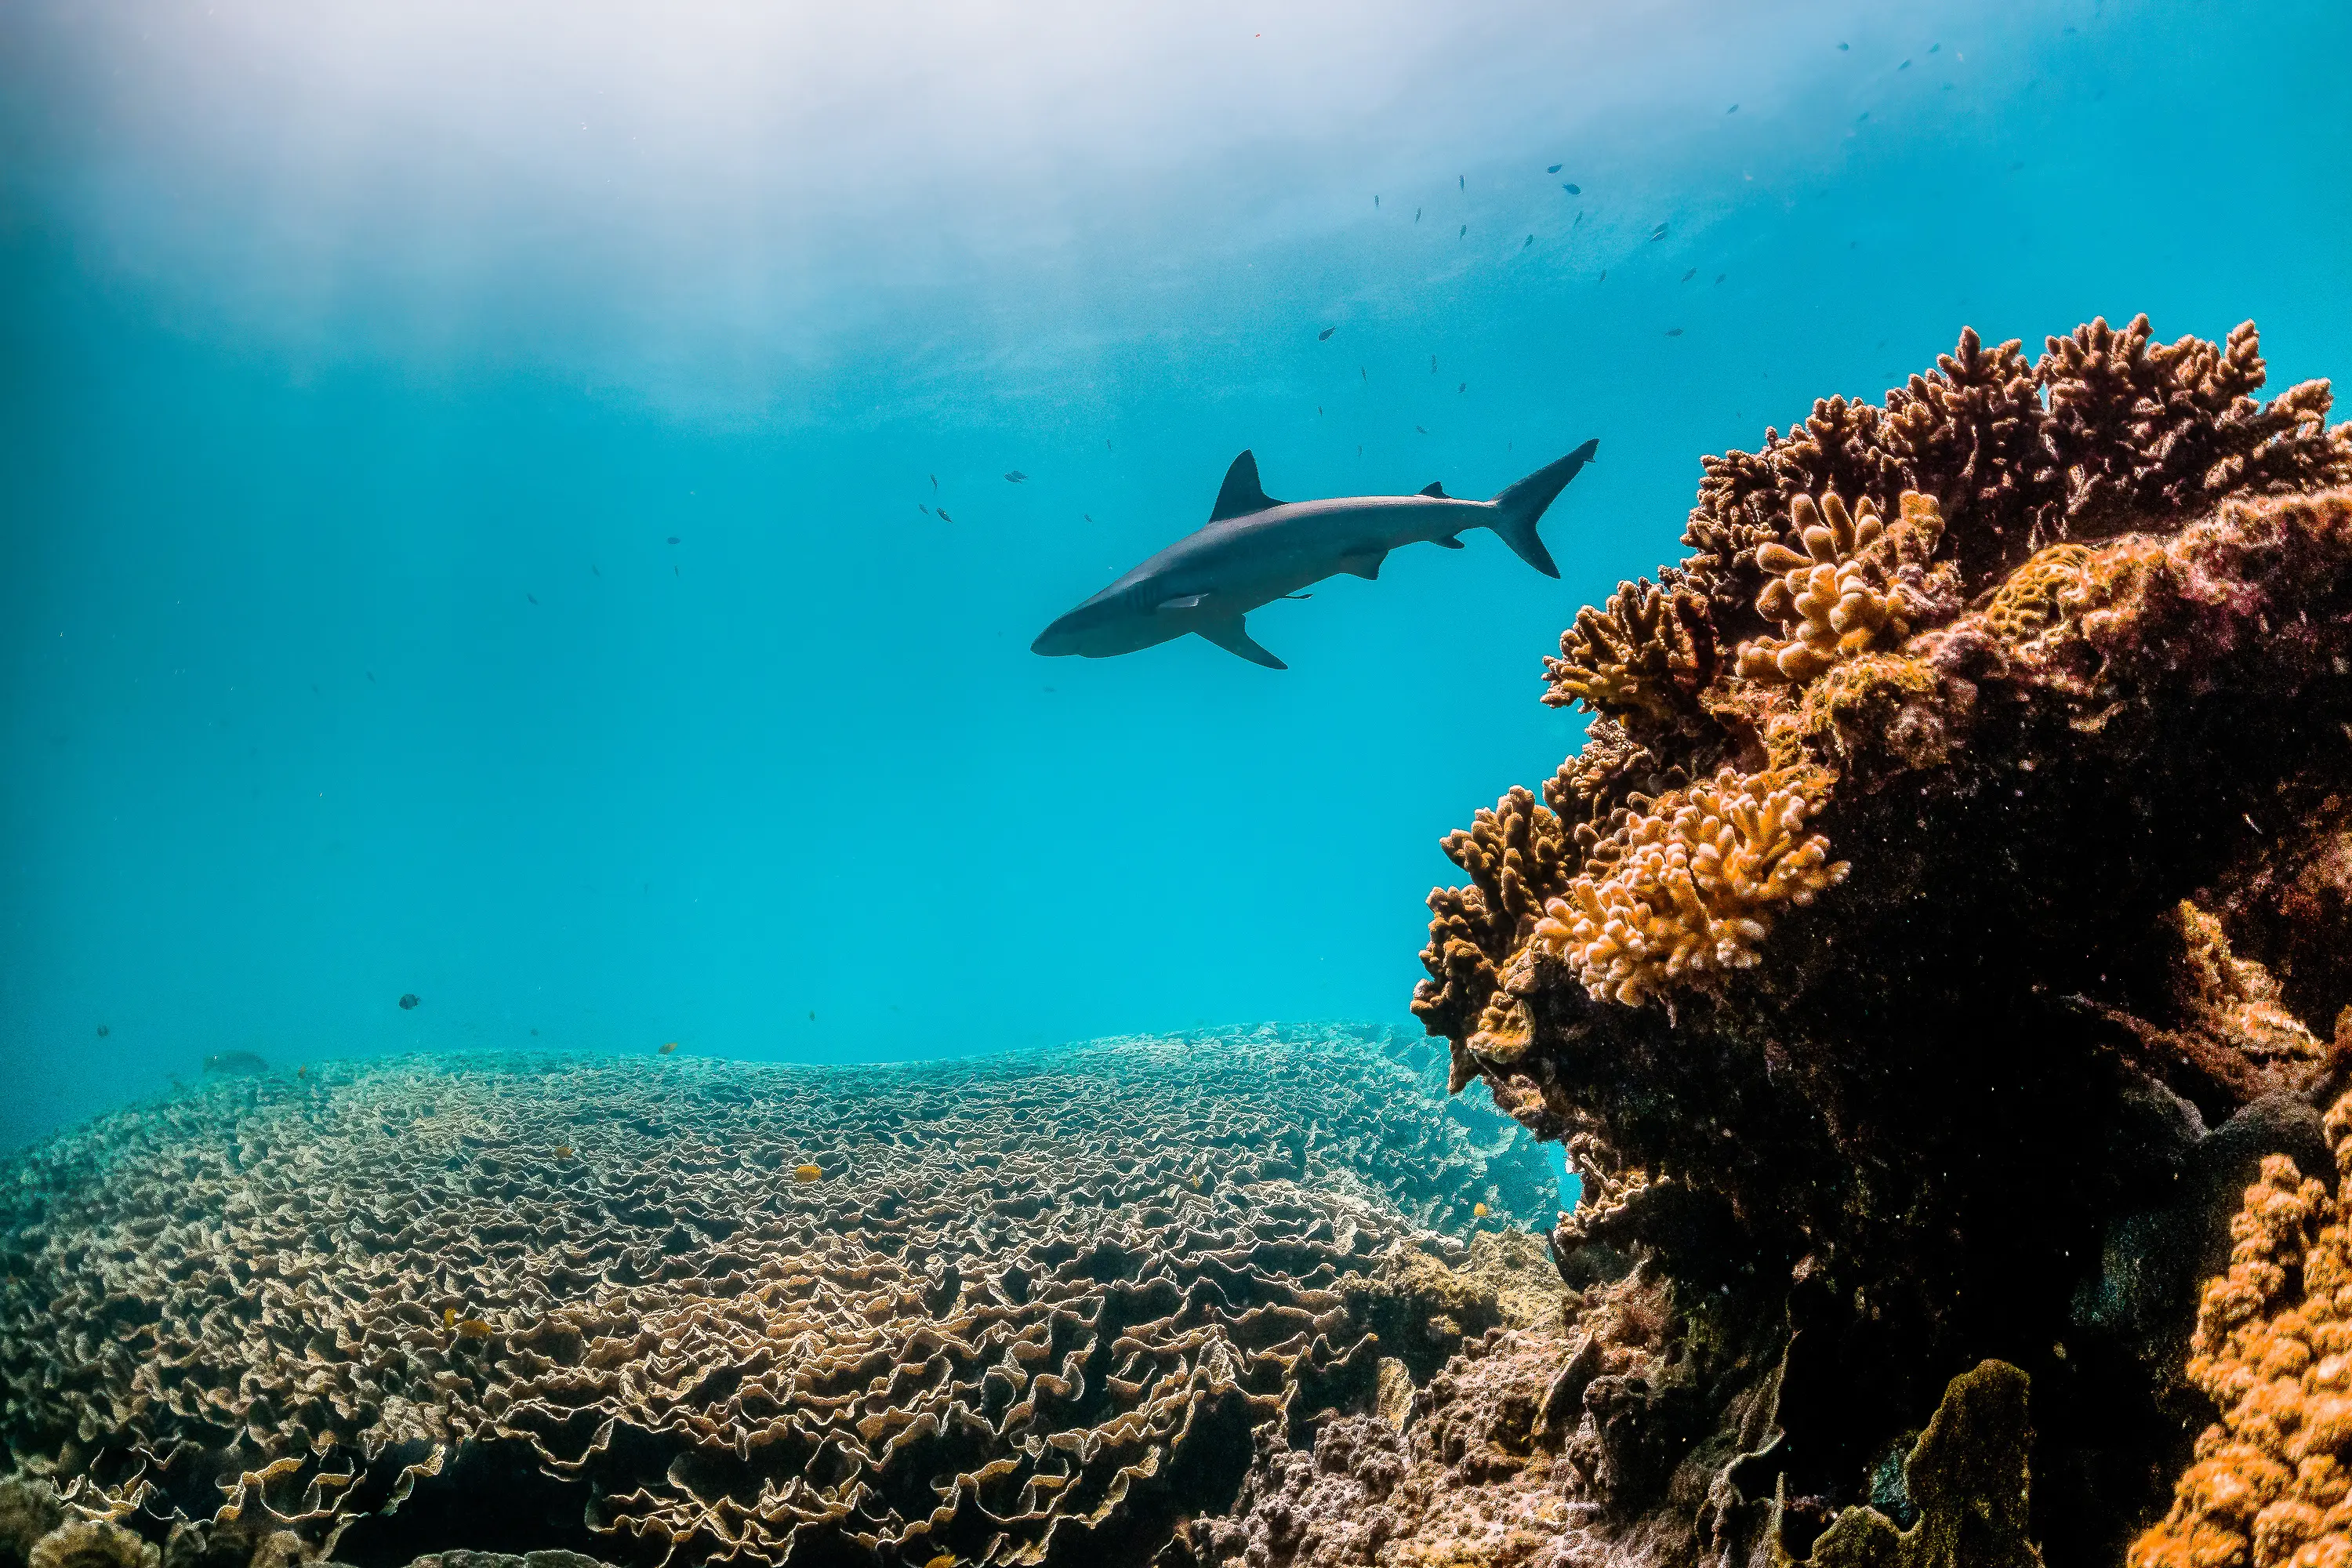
(1255, 549)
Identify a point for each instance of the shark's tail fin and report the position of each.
(1520, 506)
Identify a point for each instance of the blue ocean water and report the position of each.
(466, 475)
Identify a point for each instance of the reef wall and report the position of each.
(1943, 917)
(1018, 1310)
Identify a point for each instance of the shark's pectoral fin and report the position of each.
(1189, 601)
(1231, 636)
(1366, 565)
(1449, 542)
(1433, 488)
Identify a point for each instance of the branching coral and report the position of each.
(1856, 586)
(1647, 655)
(1697, 884)
(2272, 1480)
(1516, 857)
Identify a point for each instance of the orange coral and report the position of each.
(2272, 1482)
(1857, 584)
(1695, 888)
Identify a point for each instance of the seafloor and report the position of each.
(1027, 1307)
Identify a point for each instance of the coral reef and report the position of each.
(1948, 903)
(1034, 1311)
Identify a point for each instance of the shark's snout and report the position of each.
(1054, 642)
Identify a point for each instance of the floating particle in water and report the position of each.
(670, 1049)
(1325, 335)
(1691, 274)
(407, 1000)
(673, 539)
(534, 1032)
(806, 1173)
(1842, 49)
(1673, 332)
(1553, 170)
(1016, 476)
(371, 675)
(103, 1031)
(1573, 190)
(595, 568)
(448, 1317)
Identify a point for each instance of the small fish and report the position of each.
(371, 675)
(1531, 240)
(408, 1001)
(669, 1048)
(1721, 276)
(235, 1064)
(673, 539)
(1462, 182)
(1416, 214)
(534, 1034)
(1573, 190)
(1090, 517)
(1418, 428)
(563, 1151)
(1904, 67)
(1733, 110)
(1691, 274)
(921, 508)
(1659, 232)
(1376, 201)
(1362, 373)
(1673, 332)
(807, 1174)
(1580, 217)
(1862, 116)
(533, 597)
(1935, 48)
(1479, 1210)
(1604, 275)
(1016, 476)
(1466, 230)
(935, 484)
(473, 1329)
(1554, 169)
(1842, 49)
(593, 567)
(812, 1015)
(1464, 387)
(1325, 335)
(448, 1317)
(302, 1072)
(103, 1031)
(1432, 364)
(943, 515)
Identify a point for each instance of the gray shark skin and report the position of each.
(1257, 548)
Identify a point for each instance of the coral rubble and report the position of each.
(1948, 906)
(1037, 1308)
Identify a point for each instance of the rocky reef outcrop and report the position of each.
(1033, 1310)
(1942, 921)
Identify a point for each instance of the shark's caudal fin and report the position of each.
(1242, 494)
(1520, 507)
(1231, 636)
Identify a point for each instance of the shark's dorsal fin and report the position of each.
(1433, 488)
(1240, 495)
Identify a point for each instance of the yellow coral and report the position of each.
(2272, 1480)
(2033, 598)
(1695, 885)
(1857, 585)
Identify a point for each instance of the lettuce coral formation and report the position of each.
(1951, 826)
(1036, 1312)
